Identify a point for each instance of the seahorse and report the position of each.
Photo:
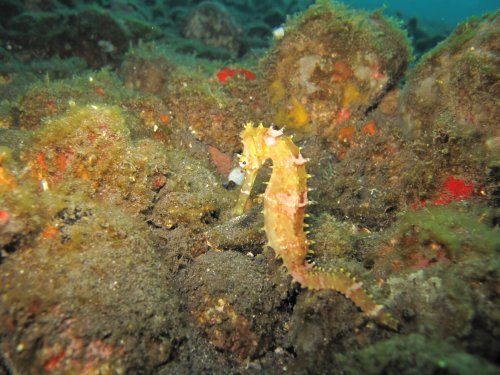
(285, 202)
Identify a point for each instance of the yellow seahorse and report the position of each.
(285, 201)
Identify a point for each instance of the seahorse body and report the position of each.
(285, 201)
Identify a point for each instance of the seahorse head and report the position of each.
(257, 142)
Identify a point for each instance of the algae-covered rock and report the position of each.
(414, 354)
(394, 159)
(90, 32)
(192, 195)
(234, 302)
(20, 216)
(146, 69)
(243, 233)
(211, 111)
(177, 208)
(330, 67)
(459, 231)
(451, 98)
(452, 89)
(212, 24)
(44, 98)
(439, 269)
(89, 149)
(318, 328)
(86, 296)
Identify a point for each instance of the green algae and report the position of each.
(461, 231)
(464, 33)
(414, 354)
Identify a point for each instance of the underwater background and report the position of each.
(239, 187)
(448, 11)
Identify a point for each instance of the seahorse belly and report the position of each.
(284, 212)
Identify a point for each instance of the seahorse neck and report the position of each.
(282, 154)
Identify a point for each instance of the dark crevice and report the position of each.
(10, 247)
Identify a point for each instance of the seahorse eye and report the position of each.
(243, 162)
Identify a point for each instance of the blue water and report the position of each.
(447, 12)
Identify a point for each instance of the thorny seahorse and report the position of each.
(285, 201)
